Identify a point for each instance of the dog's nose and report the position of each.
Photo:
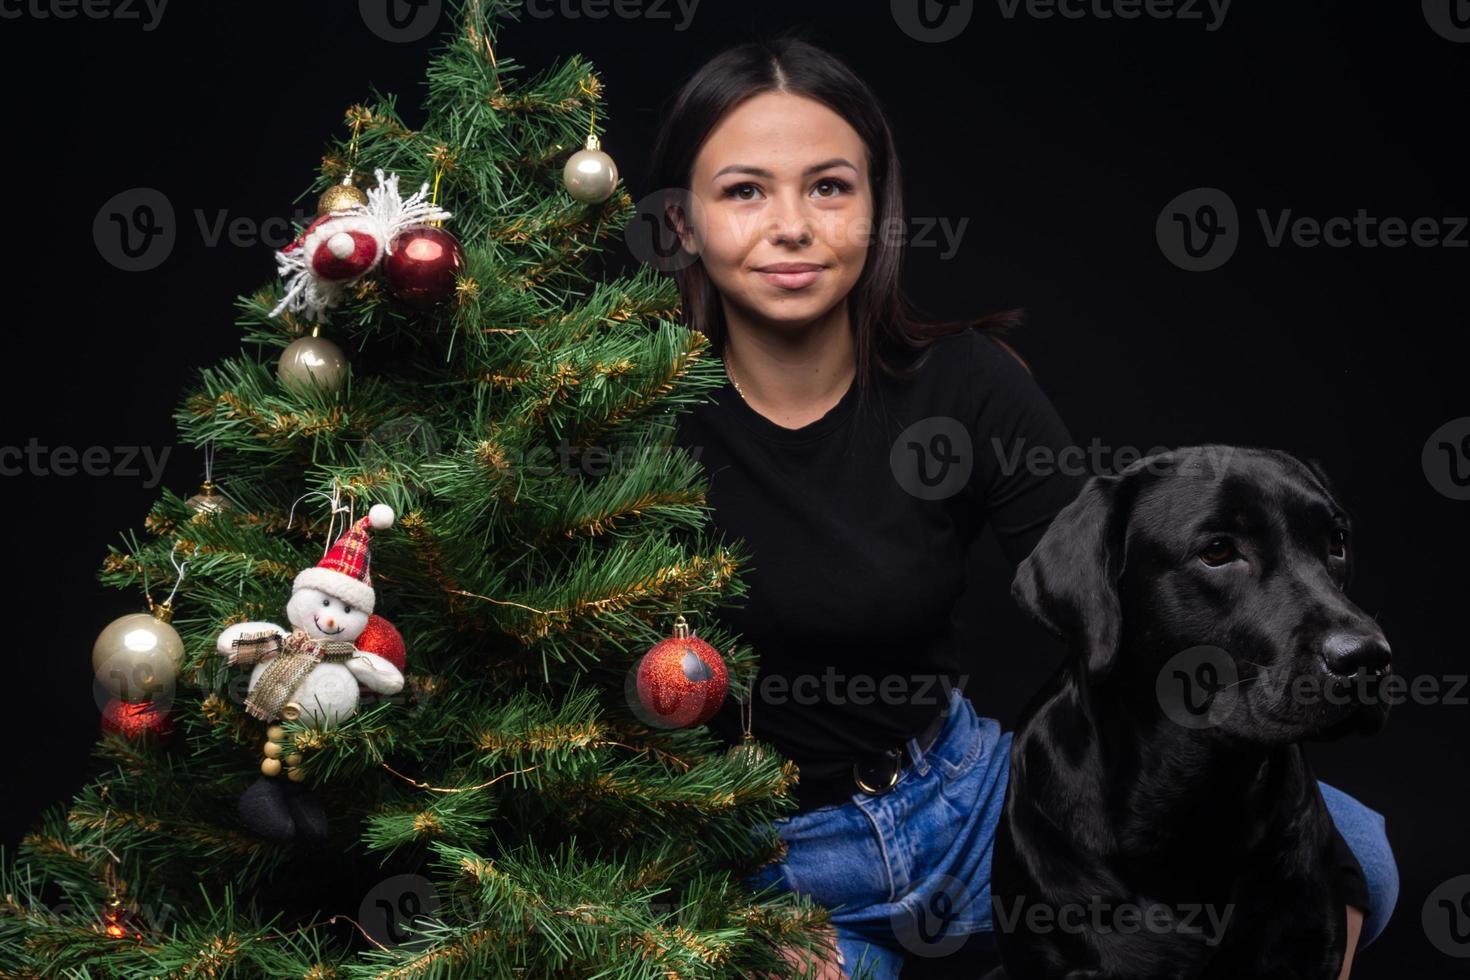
(1347, 653)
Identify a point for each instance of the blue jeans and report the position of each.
(907, 874)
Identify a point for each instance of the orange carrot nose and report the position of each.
(330, 624)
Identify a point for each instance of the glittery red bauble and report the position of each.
(682, 681)
(382, 637)
(138, 720)
(422, 266)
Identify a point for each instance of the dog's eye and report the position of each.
(1219, 551)
(1337, 546)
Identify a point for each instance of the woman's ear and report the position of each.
(677, 208)
(1069, 582)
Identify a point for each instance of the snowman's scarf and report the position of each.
(292, 658)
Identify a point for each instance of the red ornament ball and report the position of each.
(145, 718)
(382, 637)
(681, 680)
(423, 266)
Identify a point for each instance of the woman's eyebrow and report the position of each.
(742, 168)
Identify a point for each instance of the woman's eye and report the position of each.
(734, 191)
(1337, 544)
(841, 185)
(1218, 552)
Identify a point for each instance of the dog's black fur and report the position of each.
(1113, 805)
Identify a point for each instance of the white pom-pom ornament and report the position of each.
(380, 516)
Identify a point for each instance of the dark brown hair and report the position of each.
(884, 321)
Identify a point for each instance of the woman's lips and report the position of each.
(792, 280)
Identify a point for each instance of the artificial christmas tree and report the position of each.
(505, 812)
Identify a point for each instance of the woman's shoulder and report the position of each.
(971, 357)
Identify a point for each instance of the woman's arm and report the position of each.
(1027, 466)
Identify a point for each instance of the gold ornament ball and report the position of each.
(208, 500)
(275, 733)
(749, 751)
(294, 759)
(309, 361)
(340, 197)
(590, 175)
(296, 775)
(272, 750)
(270, 767)
(137, 657)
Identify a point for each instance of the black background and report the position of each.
(1059, 140)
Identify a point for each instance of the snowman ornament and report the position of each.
(311, 672)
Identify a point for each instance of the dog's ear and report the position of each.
(1069, 582)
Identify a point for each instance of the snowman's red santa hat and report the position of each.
(343, 573)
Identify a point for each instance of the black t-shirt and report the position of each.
(858, 525)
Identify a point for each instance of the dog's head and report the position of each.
(1228, 560)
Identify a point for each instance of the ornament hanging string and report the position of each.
(335, 500)
(179, 571)
(352, 146)
(443, 159)
(591, 122)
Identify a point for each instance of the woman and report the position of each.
(858, 449)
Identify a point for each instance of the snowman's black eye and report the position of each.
(346, 610)
(326, 602)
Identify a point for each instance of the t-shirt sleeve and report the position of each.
(1348, 881)
(1027, 467)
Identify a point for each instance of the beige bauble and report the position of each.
(312, 361)
(137, 657)
(590, 175)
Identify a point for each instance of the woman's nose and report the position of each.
(790, 221)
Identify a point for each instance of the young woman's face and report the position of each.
(782, 181)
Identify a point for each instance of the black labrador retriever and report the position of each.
(1160, 819)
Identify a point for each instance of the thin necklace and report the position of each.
(738, 389)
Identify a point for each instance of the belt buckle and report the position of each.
(892, 779)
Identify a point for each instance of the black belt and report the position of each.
(871, 774)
